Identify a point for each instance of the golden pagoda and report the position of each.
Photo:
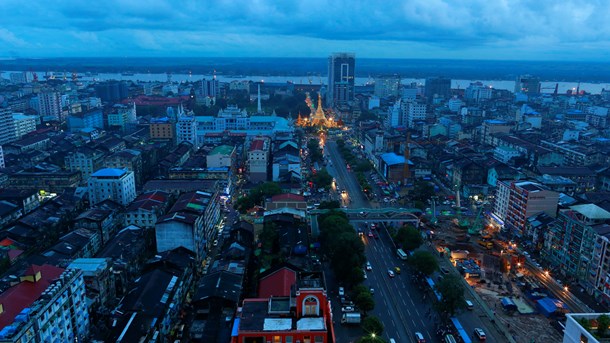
(319, 118)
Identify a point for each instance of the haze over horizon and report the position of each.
(420, 29)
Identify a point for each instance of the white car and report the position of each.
(341, 291)
(390, 273)
(479, 333)
(368, 266)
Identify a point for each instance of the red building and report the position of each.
(304, 316)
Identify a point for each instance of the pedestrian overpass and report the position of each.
(385, 214)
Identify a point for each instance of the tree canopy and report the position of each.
(408, 237)
(257, 196)
(372, 325)
(452, 294)
(424, 262)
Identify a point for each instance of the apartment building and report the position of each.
(46, 305)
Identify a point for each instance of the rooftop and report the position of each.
(22, 295)
(109, 172)
(591, 211)
(222, 150)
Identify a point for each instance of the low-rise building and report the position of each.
(145, 210)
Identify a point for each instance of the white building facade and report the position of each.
(116, 184)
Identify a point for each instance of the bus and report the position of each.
(401, 254)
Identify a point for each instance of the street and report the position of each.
(401, 305)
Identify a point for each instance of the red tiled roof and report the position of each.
(6, 242)
(277, 284)
(25, 293)
(257, 144)
(287, 197)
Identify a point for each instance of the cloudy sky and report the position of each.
(471, 29)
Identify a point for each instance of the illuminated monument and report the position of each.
(319, 117)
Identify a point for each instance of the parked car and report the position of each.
(419, 338)
(341, 291)
(390, 273)
(368, 266)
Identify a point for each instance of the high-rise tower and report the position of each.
(341, 72)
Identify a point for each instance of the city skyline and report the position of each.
(513, 30)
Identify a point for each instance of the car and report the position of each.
(419, 338)
(215, 242)
(444, 270)
(348, 309)
(371, 234)
(364, 274)
(479, 333)
(341, 291)
(397, 270)
(391, 273)
(372, 290)
(368, 266)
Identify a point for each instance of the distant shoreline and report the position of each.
(556, 71)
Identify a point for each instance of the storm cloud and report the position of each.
(475, 29)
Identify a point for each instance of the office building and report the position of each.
(48, 304)
(517, 201)
(387, 86)
(528, 85)
(412, 112)
(437, 87)
(84, 159)
(209, 88)
(7, 131)
(23, 124)
(577, 244)
(341, 77)
(122, 115)
(112, 91)
(162, 129)
(49, 105)
(186, 128)
(92, 119)
(118, 185)
(19, 77)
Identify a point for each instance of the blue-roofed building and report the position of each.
(112, 183)
(392, 165)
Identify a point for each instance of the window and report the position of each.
(277, 339)
(319, 339)
(307, 339)
(288, 339)
(310, 306)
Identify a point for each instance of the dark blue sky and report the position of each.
(450, 29)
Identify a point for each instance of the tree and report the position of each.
(372, 325)
(409, 237)
(365, 301)
(424, 262)
(452, 294)
(322, 179)
(422, 190)
(603, 321)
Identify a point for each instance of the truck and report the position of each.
(351, 318)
